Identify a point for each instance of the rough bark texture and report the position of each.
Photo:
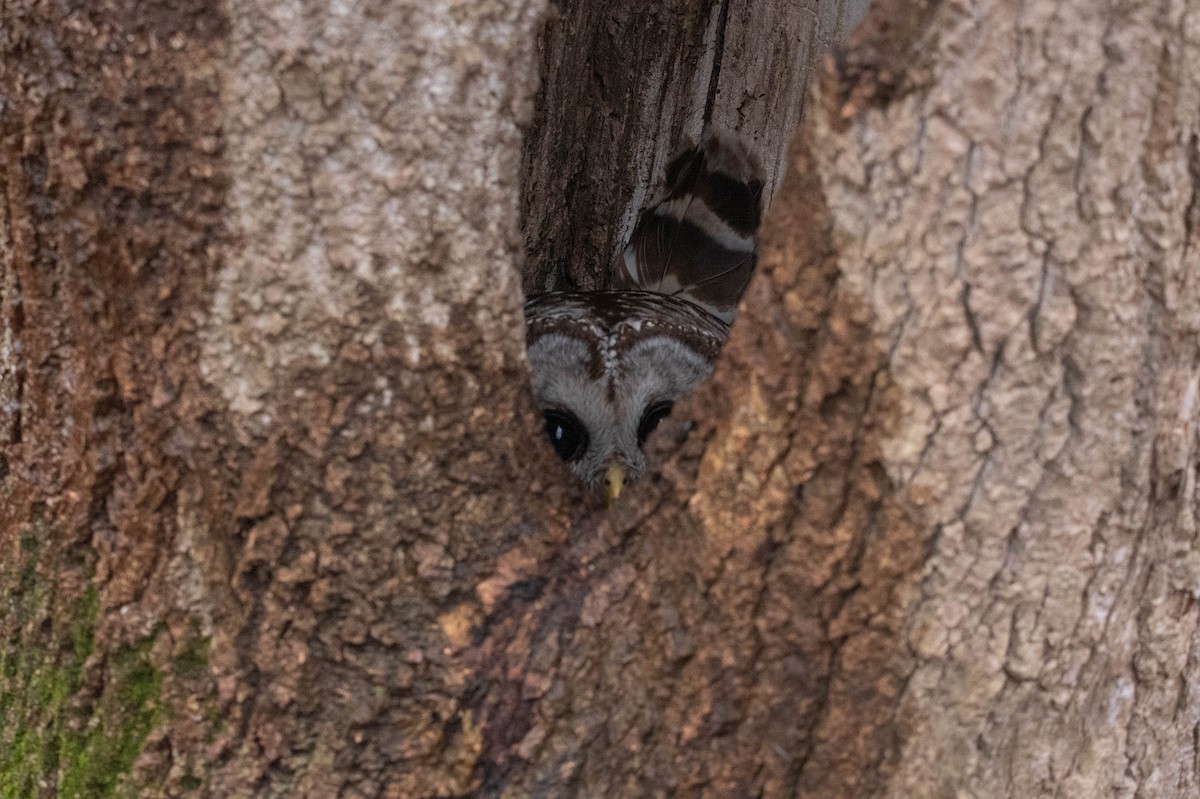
(259, 262)
(1018, 209)
(272, 517)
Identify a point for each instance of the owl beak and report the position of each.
(616, 481)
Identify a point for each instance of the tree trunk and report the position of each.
(258, 257)
(271, 521)
(1013, 195)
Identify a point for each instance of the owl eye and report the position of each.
(566, 434)
(650, 419)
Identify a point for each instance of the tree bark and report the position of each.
(271, 521)
(1015, 197)
(258, 257)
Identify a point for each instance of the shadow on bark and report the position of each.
(736, 627)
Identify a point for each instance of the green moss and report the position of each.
(192, 660)
(214, 722)
(94, 760)
(39, 680)
(56, 738)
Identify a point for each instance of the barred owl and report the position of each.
(607, 365)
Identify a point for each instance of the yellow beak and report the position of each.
(616, 481)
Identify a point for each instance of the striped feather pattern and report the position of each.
(697, 241)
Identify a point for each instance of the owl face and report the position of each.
(607, 368)
(596, 424)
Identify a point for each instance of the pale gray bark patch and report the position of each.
(10, 343)
(371, 147)
(1019, 230)
(365, 348)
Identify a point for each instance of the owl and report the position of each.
(608, 365)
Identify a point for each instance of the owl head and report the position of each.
(608, 367)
